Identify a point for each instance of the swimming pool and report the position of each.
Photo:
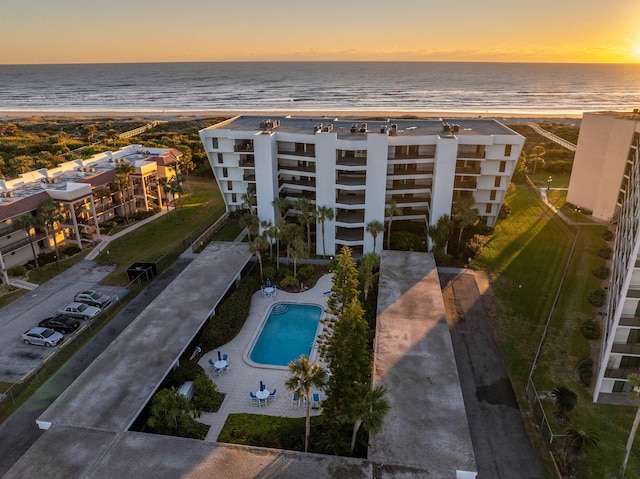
(289, 331)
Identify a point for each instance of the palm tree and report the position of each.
(283, 205)
(269, 233)
(26, 222)
(323, 214)
(466, 214)
(185, 164)
(391, 211)
(123, 182)
(306, 216)
(278, 229)
(367, 408)
(51, 215)
(579, 441)
(304, 376)
(251, 222)
(440, 233)
(374, 228)
(538, 153)
(634, 393)
(298, 250)
(290, 232)
(166, 188)
(21, 164)
(248, 201)
(368, 262)
(176, 188)
(256, 247)
(564, 399)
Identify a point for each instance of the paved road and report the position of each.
(19, 431)
(500, 441)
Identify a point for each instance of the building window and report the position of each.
(492, 195)
(496, 183)
(220, 159)
(488, 208)
(225, 172)
(229, 185)
(507, 150)
(214, 142)
(503, 166)
(234, 198)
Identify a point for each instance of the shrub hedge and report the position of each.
(585, 371)
(590, 329)
(602, 272)
(605, 252)
(596, 297)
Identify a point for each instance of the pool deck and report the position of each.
(244, 377)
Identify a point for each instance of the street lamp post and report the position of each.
(577, 210)
(549, 180)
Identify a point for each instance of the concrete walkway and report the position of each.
(244, 376)
(106, 239)
(19, 283)
(547, 134)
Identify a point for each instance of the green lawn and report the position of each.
(153, 240)
(526, 257)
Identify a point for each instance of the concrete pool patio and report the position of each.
(244, 377)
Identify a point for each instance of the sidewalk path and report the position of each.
(108, 239)
(19, 283)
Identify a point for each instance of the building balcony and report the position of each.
(245, 145)
(620, 373)
(411, 199)
(351, 179)
(247, 161)
(462, 170)
(309, 152)
(629, 321)
(295, 167)
(350, 198)
(422, 171)
(21, 243)
(301, 182)
(351, 161)
(8, 229)
(293, 195)
(409, 185)
(349, 234)
(628, 349)
(478, 154)
(411, 156)
(465, 184)
(249, 176)
(350, 217)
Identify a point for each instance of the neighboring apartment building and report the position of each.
(85, 196)
(357, 168)
(606, 180)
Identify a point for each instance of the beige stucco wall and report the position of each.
(599, 162)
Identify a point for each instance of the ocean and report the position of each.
(484, 88)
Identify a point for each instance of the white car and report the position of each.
(43, 336)
(80, 310)
(93, 298)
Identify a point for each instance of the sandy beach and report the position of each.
(344, 114)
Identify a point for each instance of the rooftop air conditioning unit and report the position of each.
(456, 128)
(446, 127)
(317, 127)
(363, 128)
(328, 128)
(383, 129)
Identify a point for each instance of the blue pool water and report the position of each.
(289, 331)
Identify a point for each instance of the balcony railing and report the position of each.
(249, 176)
(471, 154)
(243, 146)
(409, 186)
(350, 217)
(462, 170)
(407, 156)
(311, 183)
(347, 199)
(301, 168)
(22, 242)
(350, 234)
(7, 230)
(626, 348)
(426, 170)
(631, 321)
(310, 152)
(351, 180)
(620, 373)
(465, 185)
(351, 160)
(401, 199)
(247, 161)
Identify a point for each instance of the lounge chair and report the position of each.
(254, 398)
(315, 402)
(295, 400)
(211, 363)
(272, 396)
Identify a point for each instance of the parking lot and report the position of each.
(18, 359)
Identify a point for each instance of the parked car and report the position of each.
(61, 323)
(93, 298)
(80, 310)
(43, 336)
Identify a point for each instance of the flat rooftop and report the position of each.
(427, 427)
(342, 127)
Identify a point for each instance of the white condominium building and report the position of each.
(355, 169)
(606, 180)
